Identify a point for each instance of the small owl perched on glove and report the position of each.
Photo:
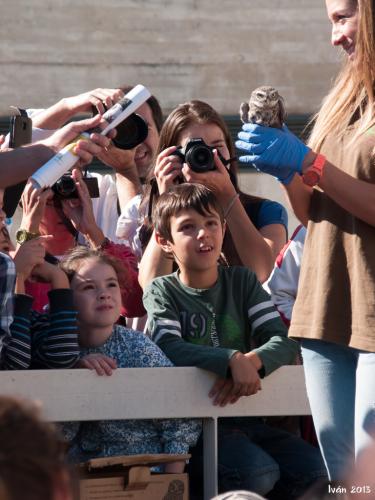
(266, 107)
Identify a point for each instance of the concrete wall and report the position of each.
(216, 50)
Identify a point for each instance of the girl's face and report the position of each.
(52, 223)
(211, 134)
(97, 295)
(343, 15)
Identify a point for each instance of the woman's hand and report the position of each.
(80, 211)
(103, 365)
(218, 180)
(34, 202)
(168, 169)
(272, 151)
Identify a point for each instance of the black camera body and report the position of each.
(65, 188)
(197, 155)
(130, 132)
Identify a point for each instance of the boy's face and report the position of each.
(96, 293)
(197, 240)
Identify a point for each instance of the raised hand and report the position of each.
(80, 211)
(218, 180)
(50, 273)
(101, 99)
(34, 202)
(168, 169)
(30, 254)
(86, 149)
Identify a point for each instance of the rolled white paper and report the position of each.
(65, 159)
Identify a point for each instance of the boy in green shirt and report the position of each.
(220, 319)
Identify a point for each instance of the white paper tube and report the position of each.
(65, 159)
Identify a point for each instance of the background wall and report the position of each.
(216, 50)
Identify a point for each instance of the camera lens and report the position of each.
(65, 187)
(200, 158)
(131, 132)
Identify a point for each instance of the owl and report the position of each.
(265, 107)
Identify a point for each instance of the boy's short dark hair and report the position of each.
(186, 196)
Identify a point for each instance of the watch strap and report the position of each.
(314, 173)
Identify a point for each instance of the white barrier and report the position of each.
(132, 393)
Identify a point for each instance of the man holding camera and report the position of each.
(130, 154)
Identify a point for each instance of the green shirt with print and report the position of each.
(205, 327)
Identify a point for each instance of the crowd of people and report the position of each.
(174, 265)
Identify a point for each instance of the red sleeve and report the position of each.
(131, 290)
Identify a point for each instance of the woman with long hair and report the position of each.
(256, 228)
(331, 185)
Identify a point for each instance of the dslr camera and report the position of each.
(65, 188)
(199, 156)
(130, 132)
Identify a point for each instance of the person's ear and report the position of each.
(163, 243)
(224, 226)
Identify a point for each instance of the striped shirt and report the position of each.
(43, 340)
(7, 280)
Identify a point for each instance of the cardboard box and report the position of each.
(130, 478)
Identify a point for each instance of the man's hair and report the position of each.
(157, 113)
(32, 454)
(187, 196)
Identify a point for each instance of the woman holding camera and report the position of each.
(256, 228)
(331, 185)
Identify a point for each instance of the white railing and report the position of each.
(132, 393)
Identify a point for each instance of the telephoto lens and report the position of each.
(65, 187)
(131, 132)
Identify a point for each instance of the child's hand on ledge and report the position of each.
(222, 392)
(103, 365)
(245, 375)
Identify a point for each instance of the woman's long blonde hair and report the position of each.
(352, 94)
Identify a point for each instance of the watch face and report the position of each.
(21, 236)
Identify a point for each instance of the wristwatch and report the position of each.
(314, 173)
(23, 235)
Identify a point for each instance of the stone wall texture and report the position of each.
(215, 50)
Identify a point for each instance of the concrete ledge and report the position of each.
(150, 393)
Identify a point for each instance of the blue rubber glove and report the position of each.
(272, 151)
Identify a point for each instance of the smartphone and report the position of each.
(19, 134)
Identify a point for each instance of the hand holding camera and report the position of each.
(79, 210)
(168, 169)
(217, 180)
(34, 202)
